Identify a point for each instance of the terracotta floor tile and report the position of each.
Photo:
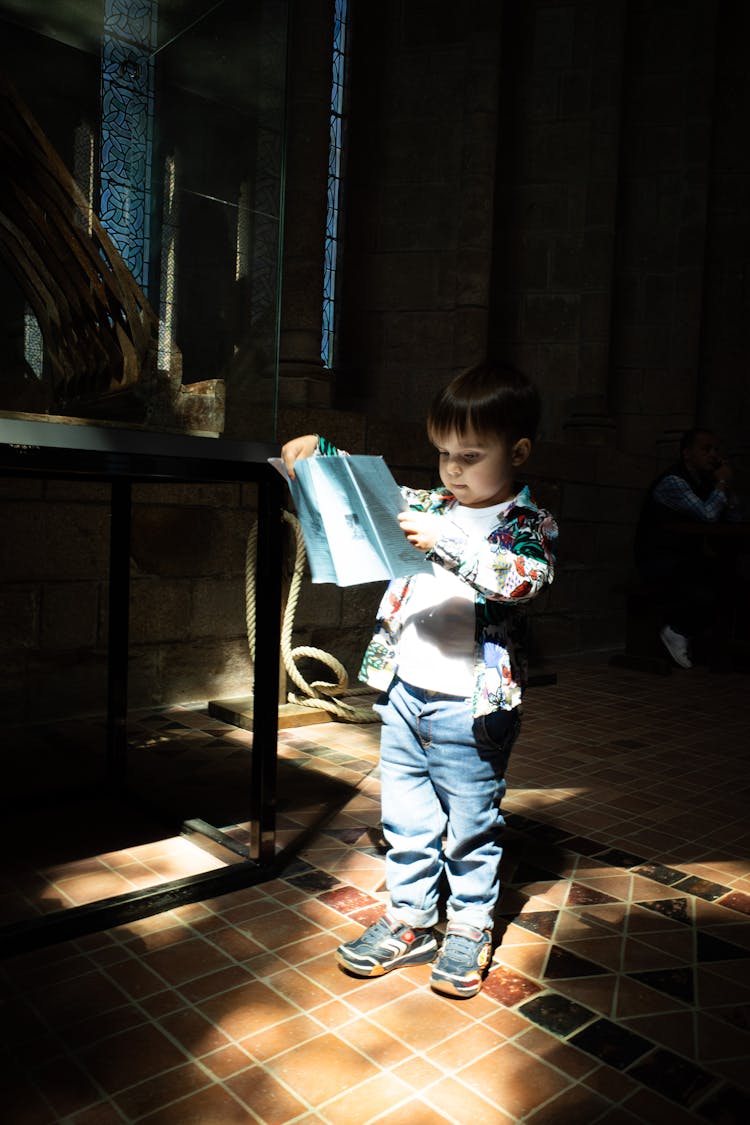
(66, 1086)
(467, 1044)
(461, 1103)
(192, 958)
(322, 1068)
(562, 1055)
(649, 1106)
(227, 1060)
(604, 951)
(415, 1112)
(719, 1040)
(131, 1056)
(334, 1014)
(242, 1011)
(211, 1106)
(104, 1113)
(267, 1041)
(423, 1019)
(374, 1042)
(513, 1079)
(528, 960)
(299, 988)
(638, 955)
(572, 1107)
(364, 1102)
(675, 1030)
(259, 1090)
(597, 993)
(152, 1094)
(418, 1072)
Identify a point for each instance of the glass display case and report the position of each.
(141, 211)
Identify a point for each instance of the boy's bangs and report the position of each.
(453, 414)
(486, 400)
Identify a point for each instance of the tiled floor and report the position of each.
(619, 990)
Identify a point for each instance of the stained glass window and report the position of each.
(128, 44)
(335, 172)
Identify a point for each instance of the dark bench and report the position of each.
(644, 615)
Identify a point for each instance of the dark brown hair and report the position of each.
(491, 398)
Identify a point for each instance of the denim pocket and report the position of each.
(498, 730)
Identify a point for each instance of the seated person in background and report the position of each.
(676, 566)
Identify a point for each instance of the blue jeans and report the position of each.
(442, 776)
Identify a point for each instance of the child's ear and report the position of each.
(520, 452)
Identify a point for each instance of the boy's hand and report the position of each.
(421, 528)
(297, 449)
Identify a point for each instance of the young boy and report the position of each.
(448, 654)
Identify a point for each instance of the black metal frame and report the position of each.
(30, 447)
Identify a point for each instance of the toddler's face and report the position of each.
(477, 469)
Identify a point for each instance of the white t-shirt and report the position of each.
(436, 647)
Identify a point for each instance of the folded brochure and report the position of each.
(347, 508)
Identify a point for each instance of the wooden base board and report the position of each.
(239, 712)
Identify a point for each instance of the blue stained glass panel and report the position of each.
(127, 128)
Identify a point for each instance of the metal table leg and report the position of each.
(117, 652)
(266, 671)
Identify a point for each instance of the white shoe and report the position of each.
(676, 645)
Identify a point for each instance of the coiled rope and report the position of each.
(320, 694)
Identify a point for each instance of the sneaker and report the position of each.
(463, 959)
(677, 646)
(387, 944)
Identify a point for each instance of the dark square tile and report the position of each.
(557, 1013)
(578, 895)
(540, 922)
(507, 986)
(611, 1043)
(675, 982)
(673, 1076)
(346, 899)
(314, 880)
(674, 908)
(617, 858)
(702, 888)
(660, 873)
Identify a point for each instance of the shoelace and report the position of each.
(461, 949)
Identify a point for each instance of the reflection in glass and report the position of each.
(127, 125)
(335, 171)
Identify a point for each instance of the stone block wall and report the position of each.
(187, 609)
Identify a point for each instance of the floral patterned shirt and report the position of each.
(506, 569)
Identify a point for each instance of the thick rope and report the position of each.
(290, 656)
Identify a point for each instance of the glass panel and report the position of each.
(167, 115)
(335, 149)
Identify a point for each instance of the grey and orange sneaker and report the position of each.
(462, 961)
(387, 944)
